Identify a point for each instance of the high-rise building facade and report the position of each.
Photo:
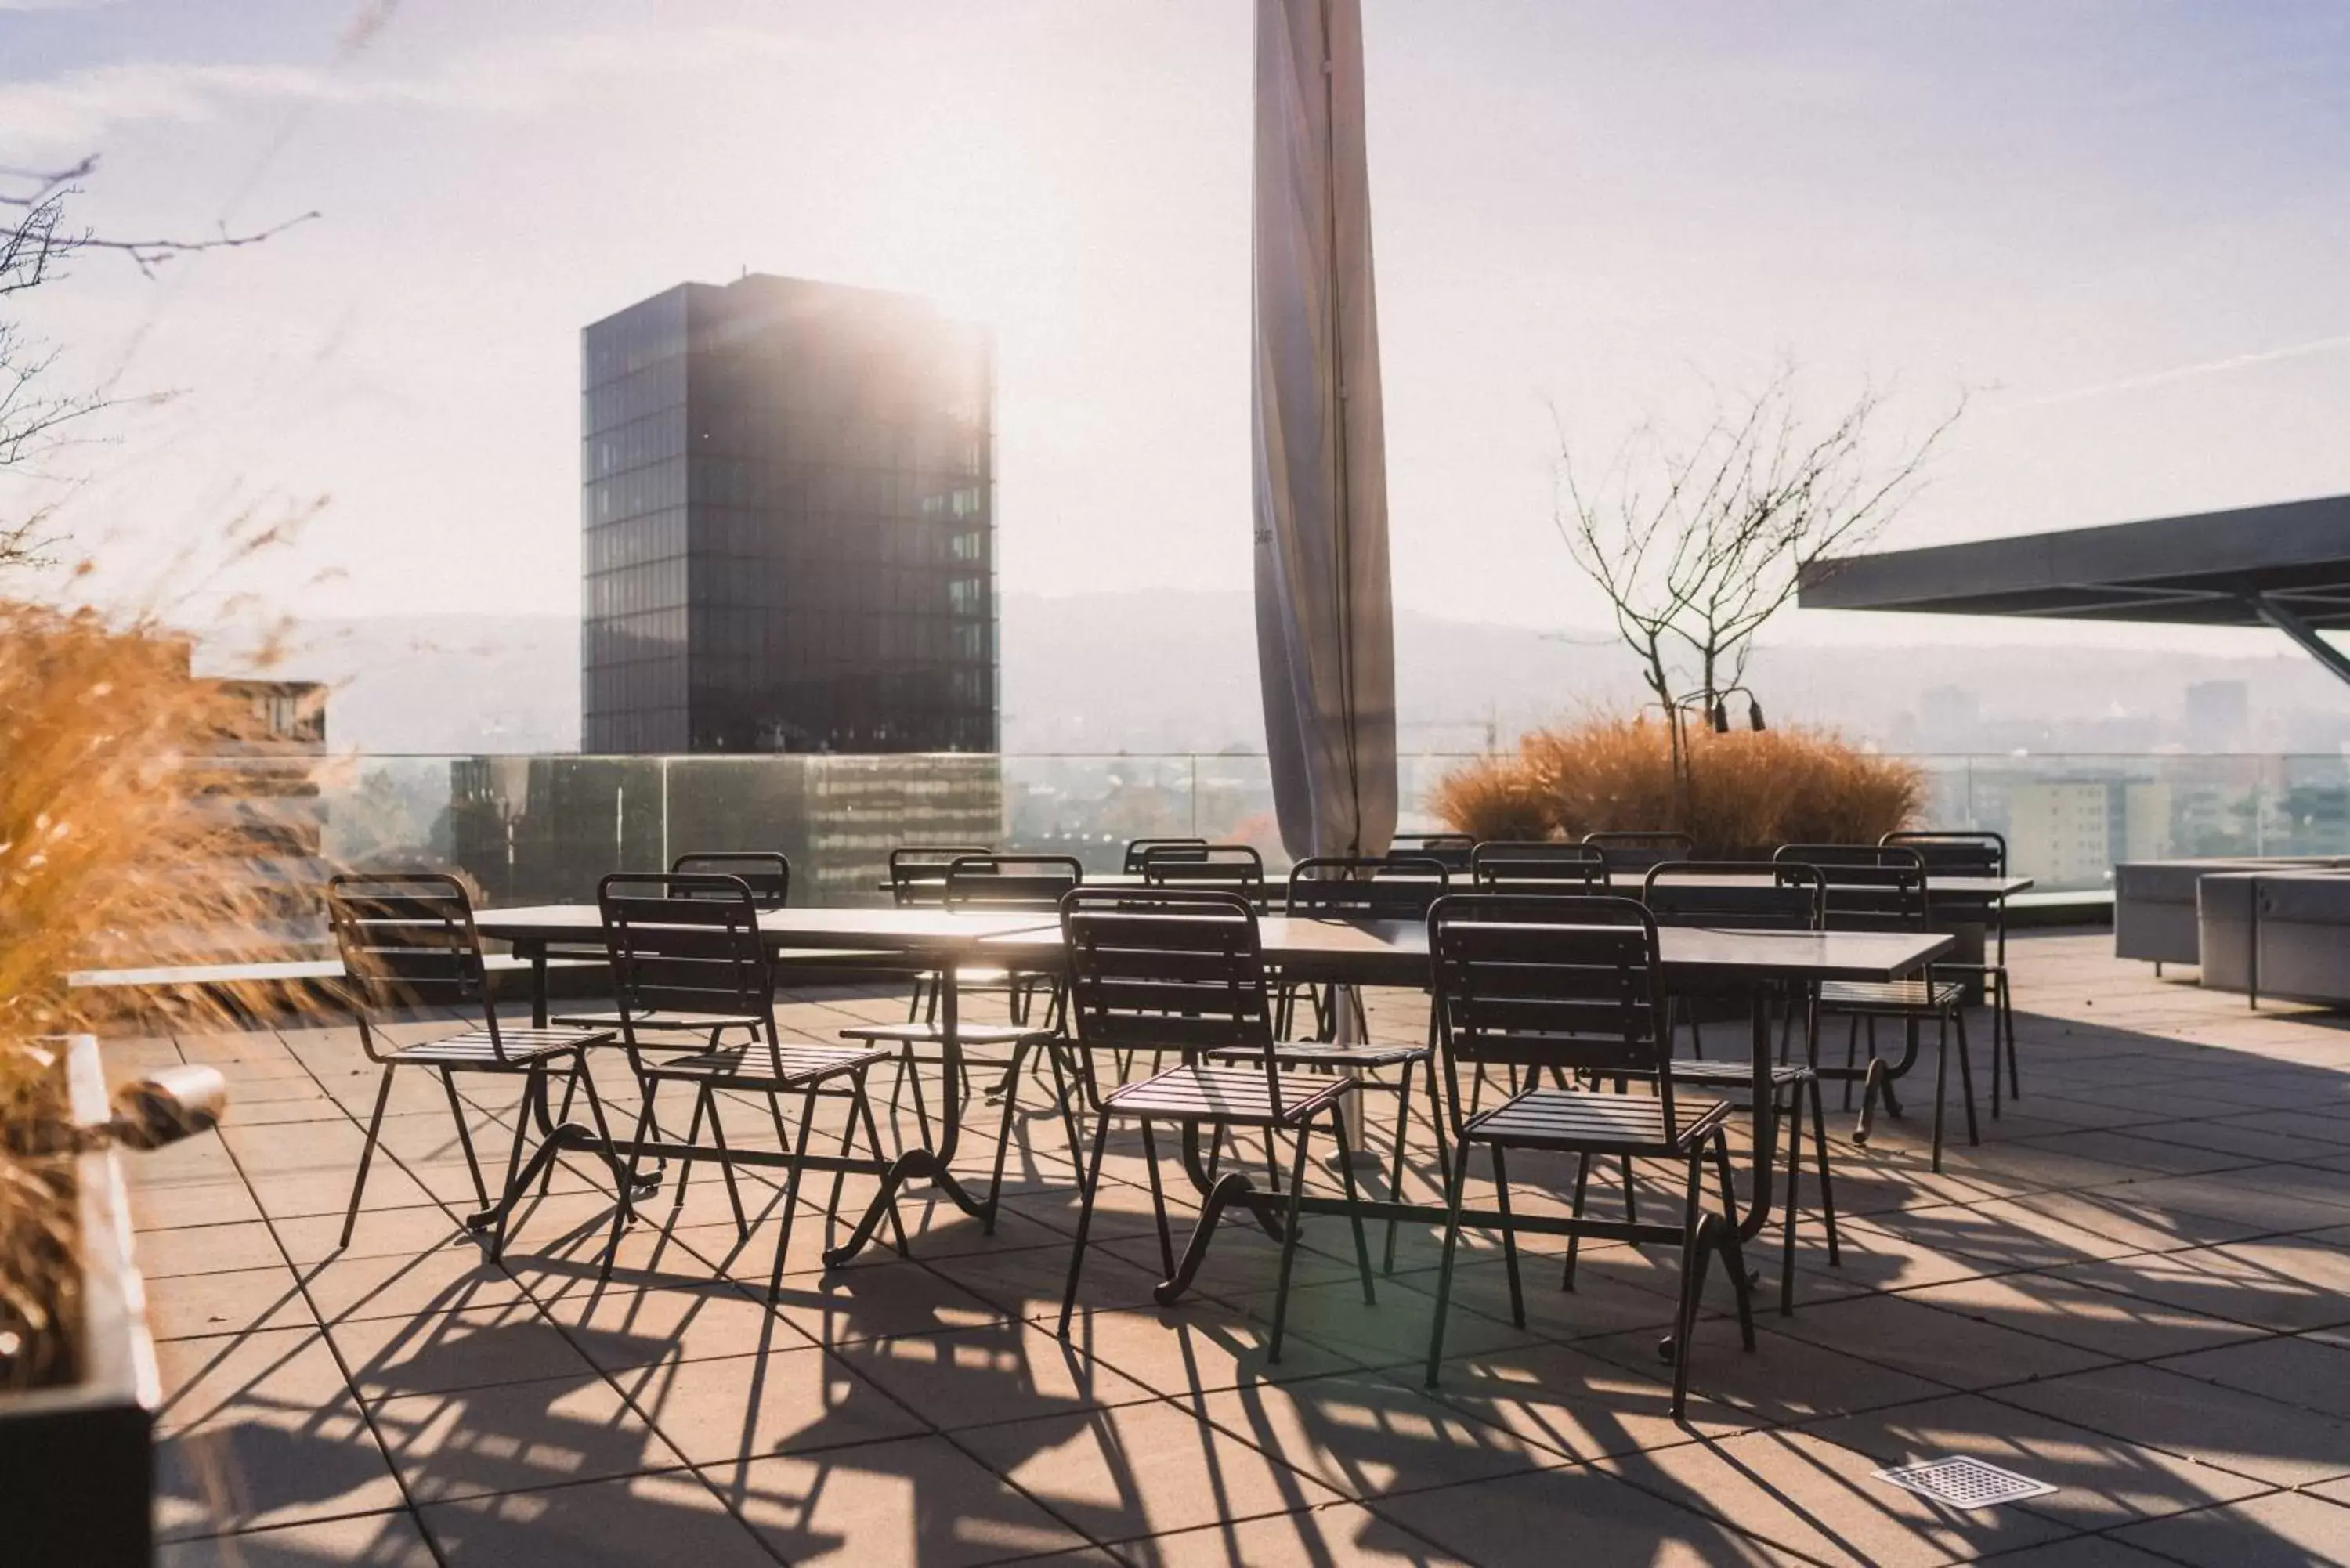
(789, 530)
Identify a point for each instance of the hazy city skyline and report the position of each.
(2117, 225)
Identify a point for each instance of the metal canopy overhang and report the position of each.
(2286, 566)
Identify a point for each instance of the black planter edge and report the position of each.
(79, 1461)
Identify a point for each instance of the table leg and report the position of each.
(915, 1164)
(537, 953)
(1766, 1123)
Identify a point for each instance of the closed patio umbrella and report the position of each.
(1325, 611)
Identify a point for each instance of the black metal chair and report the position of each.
(1182, 970)
(1140, 849)
(688, 947)
(1342, 888)
(1975, 852)
(1337, 887)
(1227, 868)
(1743, 896)
(767, 874)
(918, 880)
(407, 940)
(918, 872)
(1538, 866)
(1573, 986)
(1637, 850)
(978, 882)
(1873, 888)
(1449, 850)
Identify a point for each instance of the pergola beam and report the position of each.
(2271, 610)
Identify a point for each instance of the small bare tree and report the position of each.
(1696, 547)
(35, 416)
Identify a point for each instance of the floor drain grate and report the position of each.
(1964, 1482)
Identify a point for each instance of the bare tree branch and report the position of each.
(1696, 548)
(34, 244)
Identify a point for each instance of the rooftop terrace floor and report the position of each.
(2137, 1289)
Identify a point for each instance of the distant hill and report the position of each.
(1166, 672)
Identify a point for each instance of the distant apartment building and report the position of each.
(2069, 832)
(787, 523)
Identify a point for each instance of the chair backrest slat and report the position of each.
(1954, 852)
(407, 939)
(918, 872)
(1450, 850)
(1140, 849)
(1539, 866)
(1735, 895)
(686, 944)
(1338, 888)
(1866, 886)
(1170, 967)
(765, 873)
(1628, 849)
(1234, 868)
(1011, 882)
(1550, 982)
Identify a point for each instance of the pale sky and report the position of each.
(2122, 223)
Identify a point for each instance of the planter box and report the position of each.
(76, 1462)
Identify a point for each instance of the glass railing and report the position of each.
(539, 828)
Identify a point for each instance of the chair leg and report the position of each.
(685, 1167)
(791, 1191)
(863, 1106)
(913, 1072)
(1733, 1253)
(1631, 1201)
(465, 1136)
(1851, 1058)
(1354, 1211)
(1697, 1246)
(1159, 1204)
(570, 1087)
(726, 1164)
(2007, 1020)
(1395, 1169)
(1085, 1219)
(1827, 1183)
(366, 1154)
(1455, 1188)
(1002, 1138)
(1793, 1208)
(1509, 1235)
(1575, 1242)
(533, 1094)
(1290, 1228)
(644, 1124)
(1967, 1072)
(624, 1208)
(1941, 1080)
(1065, 1095)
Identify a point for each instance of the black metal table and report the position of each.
(1395, 953)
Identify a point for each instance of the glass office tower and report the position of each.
(788, 514)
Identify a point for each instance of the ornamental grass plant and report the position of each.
(1741, 792)
(117, 845)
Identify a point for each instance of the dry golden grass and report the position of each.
(1747, 791)
(107, 852)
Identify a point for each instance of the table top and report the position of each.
(1964, 888)
(908, 930)
(1373, 952)
(1395, 952)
